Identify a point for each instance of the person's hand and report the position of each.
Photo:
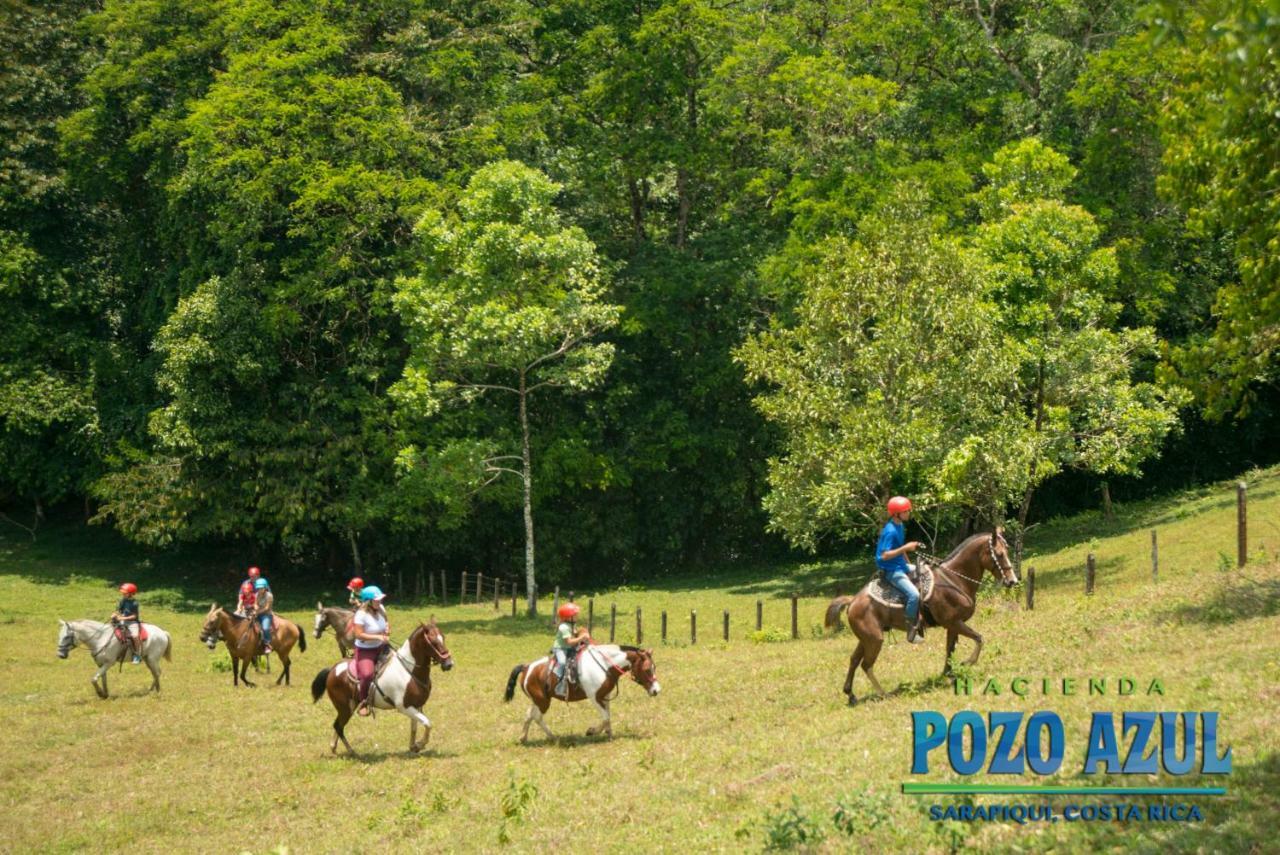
(912, 546)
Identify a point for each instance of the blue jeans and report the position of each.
(264, 621)
(900, 581)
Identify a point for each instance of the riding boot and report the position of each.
(915, 633)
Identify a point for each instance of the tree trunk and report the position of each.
(355, 553)
(1035, 461)
(530, 582)
(1106, 500)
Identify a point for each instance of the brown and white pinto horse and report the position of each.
(403, 685)
(244, 640)
(952, 603)
(599, 668)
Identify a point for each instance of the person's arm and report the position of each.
(580, 636)
(889, 554)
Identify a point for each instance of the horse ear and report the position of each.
(999, 531)
(319, 606)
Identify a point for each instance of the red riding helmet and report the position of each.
(254, 572)
(355, 584)
(128, 588)
(899, 504)
(246, 587)
(568, 611)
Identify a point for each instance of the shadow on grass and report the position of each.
(368, 759)
(577, 740)
(1242, 598)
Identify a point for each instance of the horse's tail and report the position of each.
(302, 637)
(511, 682)
(168, 649)
(836, 609)
(317, 685)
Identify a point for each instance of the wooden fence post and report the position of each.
(664, 626)
(444, 589)
(497, 592)
(571, 596)
(431, 585)
(400, 591)
(795, 620)
(555, 608)
(726, 624)
(759, 615)
(462, 595)
(479, 586)
(693, 626)
(1242, 525)
(613, 621)
(591, 614)
(639, 628)
(513, 599)
(1090, 568)
(1155, 558)
(1031, 589)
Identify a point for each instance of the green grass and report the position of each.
(749, 745)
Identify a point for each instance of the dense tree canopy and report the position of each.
(257, 259)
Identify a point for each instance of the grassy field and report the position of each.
(750, 742)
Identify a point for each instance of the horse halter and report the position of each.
(1007, 567)
(441, 655)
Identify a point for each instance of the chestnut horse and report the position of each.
(403, 685)
(952, 603)
(338, 618)
(599, 668)
(244, 641)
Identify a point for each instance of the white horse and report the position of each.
(599, 668)
(106, 649)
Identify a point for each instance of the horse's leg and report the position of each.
(100, 679)
(606, 726)
(155, 672)
(416, 717)
(963, 628)
(244, 674)
(952, 636)
(855, 659)
(873, 646)
(283, 653)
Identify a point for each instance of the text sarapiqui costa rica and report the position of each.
(1128, 743)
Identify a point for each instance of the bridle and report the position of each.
(991, 550)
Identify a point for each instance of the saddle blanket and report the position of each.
(882, 592)
(123, 634)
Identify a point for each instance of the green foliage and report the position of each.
(895, 362)
(791, 828)
(1221, 154)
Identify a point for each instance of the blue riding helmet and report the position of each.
(259, 584)
(371, 592)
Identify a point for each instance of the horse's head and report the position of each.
(66, 639)
(643, 671)
(427, 642)
(320, 618)
(998, 556)
(209, 632)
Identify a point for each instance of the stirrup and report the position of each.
(915, 634)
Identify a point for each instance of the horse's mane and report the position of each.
(235, 618)
(965, 543)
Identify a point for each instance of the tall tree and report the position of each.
(1221, 155)
(1084, 406)
(509, 303)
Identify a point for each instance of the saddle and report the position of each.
(257, 633)
(347, 668)
(123, 635)
(885, 594)
(570, 667)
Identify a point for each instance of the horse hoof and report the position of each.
(853, 700)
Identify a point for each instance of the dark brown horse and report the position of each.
(600, 666)
(952, 603)
(244, 641)
(403, 685)
(338, 618)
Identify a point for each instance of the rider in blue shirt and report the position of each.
(890, 550)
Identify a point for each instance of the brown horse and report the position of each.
(600, 666)
(338, 618)
(952, 603)
(244, 641)
(403, 685)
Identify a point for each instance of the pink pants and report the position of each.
(366, 663)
